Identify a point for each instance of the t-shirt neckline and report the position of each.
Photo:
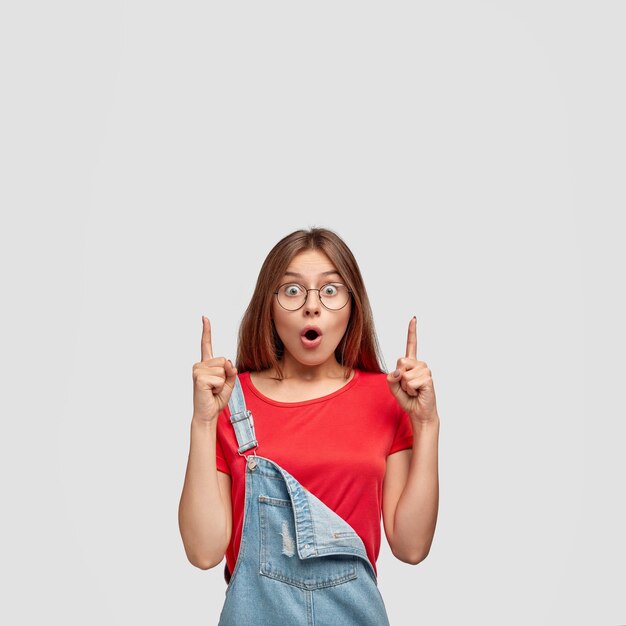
(245, 378)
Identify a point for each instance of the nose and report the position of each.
(313, 303)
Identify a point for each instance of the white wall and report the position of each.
(472, 156)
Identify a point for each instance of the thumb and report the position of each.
(231, 373)
(393, 379)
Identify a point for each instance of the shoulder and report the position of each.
(374, 377)
(373, 380)
(373, 389)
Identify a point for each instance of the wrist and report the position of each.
(431, 423)
(203, 424)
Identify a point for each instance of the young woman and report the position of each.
(300, 448)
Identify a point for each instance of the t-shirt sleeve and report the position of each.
(403, 438)
(220, 457)
(220, 461)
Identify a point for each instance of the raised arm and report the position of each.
(205, 509)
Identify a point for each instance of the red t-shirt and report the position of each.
(336, 446)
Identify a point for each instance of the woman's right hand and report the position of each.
(213, 380)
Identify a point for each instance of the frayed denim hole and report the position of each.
(288, 542)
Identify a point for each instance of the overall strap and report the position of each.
(241, 419)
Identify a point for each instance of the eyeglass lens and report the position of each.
(333, 295)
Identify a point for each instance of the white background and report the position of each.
(470, 154)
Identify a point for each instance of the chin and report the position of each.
(306, 357)
(312, 360)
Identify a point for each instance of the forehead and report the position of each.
(311, 264)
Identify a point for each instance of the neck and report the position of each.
(294, 370)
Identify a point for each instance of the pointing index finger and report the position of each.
(206, 349)
(411, 341)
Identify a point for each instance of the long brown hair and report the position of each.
(259, 346)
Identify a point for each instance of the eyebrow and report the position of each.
(322, 274)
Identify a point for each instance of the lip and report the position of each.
(311, 343)
(317, 329)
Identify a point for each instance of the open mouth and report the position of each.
(311, 338)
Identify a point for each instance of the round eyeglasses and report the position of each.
(333, 296)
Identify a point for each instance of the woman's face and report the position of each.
(311, 269)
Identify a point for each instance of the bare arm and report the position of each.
(205, 513)
(411, 496)
(411, 485)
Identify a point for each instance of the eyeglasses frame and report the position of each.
(307, 295)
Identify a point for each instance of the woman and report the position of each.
(298, 449)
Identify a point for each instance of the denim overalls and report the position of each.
(299, 563)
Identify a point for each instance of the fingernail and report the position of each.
(396, 374)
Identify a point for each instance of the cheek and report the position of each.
(277, 313)
(281, 321)
(342, 324)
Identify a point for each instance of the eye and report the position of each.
(292, 290)
(329, 290)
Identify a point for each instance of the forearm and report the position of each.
(201, 513)
(416, 511)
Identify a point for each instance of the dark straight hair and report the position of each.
(259, 346)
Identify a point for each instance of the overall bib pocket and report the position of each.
(279, 554)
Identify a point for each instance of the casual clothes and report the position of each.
(336, 446)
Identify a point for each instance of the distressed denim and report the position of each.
(299, 562)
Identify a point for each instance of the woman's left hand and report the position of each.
(412, 383)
